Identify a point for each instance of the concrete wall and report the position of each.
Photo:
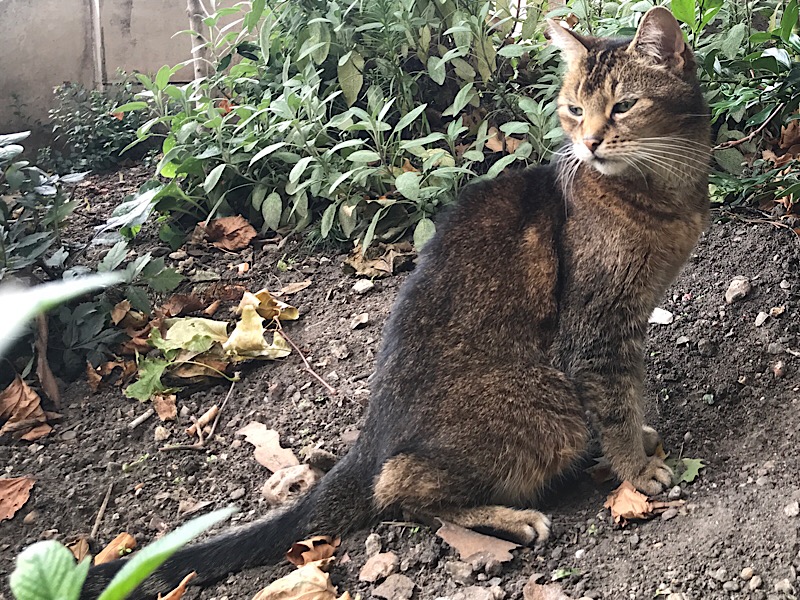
(48, 42)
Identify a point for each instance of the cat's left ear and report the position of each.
(573, 46)
(659, 38)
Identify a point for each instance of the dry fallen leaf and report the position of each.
(268, 307)
(230, 233)
(247, 340)
(20, 405)
(293, 288)
(315, 548)
(468, 542)
(512, 144)
(165, 407)
(119, 547)
(14, 493)
(627, 503)
(179, 591)
(43, 372)
(495, 140)
(119, 311)
(182, 304)
(380, 260)
(268, 452)
(79, 549)
(308, 582)
(289, 482)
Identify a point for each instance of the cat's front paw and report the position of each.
(654, 478)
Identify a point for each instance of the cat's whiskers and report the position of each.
(675, 155)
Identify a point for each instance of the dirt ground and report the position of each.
(710, 382)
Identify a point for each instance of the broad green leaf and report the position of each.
(258, 195)
(512, 127)
(513, 50)
(162, 77)
(501, 164)
(114, 257)
(462, 98)
(789, 20)
(351, 77)
(147, 560)
(149, 382)
(732, 40)
(271, 210)
(47, 571)
(408, 184)
(213, 178)
(370, 233)
(166, 280)
(264, 39)
(683, 11)
(730, 159)
(298, 170)
(436, 69)
(327, 219)
(129, 106)
(409, 118)
(364, 156)
(266, 151)
(423, 232)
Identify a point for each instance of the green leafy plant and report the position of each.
(47, 570)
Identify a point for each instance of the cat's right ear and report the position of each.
(572, 46)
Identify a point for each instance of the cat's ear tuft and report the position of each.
(573, 46)
(659, 38)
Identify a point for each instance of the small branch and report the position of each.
(752, 134)
(101, 512)
(201, 443)
(313, 373)
(221, 408)
(141, 418)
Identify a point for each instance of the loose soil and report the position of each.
(710, 382)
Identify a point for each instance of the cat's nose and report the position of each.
(592, 143)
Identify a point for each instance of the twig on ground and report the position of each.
(224, 402)
(198, 424)
(141, 418)
(313, 373)
(101, 512)
(198, 445)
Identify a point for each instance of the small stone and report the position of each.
(747, 573)
(754, 583)
(706, 347)
(161, 433)
(675, 493)
(332, 376)
(461, 572)
(379, 566)
(779, 369)
(670, 513)
(475, 592)
(760, 318)
(785, 285)
(775, 348)
(792, 510)
(634, 540)
(762, 481)
(497, 592)
(362, 286)
(580, 553)
(784, 586)
(339, 351)
(30, 518)
(677, 596)
(720, 574)
(69, 435)
(682, 341)
(179, 255)
(237, 493)
(396, 587)
(777, 311)
(493, 567)
(359, 321)
(731, 586)
(184, 412)
(373, 544)
(738, 289)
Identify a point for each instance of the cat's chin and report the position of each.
(608, 167)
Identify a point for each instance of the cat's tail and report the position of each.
(340, 503)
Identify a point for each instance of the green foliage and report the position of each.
(47, 570)
(362, 119)
(90, 132)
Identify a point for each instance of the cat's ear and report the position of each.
(573, 46)
(659, 38)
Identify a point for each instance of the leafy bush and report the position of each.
(90, 133)
(47, 570)
(361, 118)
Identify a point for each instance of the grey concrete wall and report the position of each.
(48, 42)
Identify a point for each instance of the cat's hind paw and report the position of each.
(654, 478)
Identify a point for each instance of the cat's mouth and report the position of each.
(607, 166)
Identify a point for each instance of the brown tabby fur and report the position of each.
(527, 312)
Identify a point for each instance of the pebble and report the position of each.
(184, 412)
(373, 544)
(579, 553)
(760, 318)
(178, 255)
(754, 583)
(634, 540)
(763, 480)
(784, 586)
(474, 592)
(779, 369)
(359, 321)
(69, 435)
(775, 348)
(396, 587)
(792, 510)
(30, 518)
(785, 285)
(379, 566)
(720, 574)
(161, 433)
(738, 289)
(682, 341)
(461, 572)
(706, 347)
(237, 493)
(670, 513)
(362, 286)
(731, 586)
(675, 493)
(747, 573)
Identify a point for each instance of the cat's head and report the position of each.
(633, 107)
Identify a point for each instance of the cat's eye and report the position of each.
(575, 110)
(623, 107)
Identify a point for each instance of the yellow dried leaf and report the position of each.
(315, 548)
(308, 582)
(14, 493)
(119, 547)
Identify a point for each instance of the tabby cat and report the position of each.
(523, 327)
